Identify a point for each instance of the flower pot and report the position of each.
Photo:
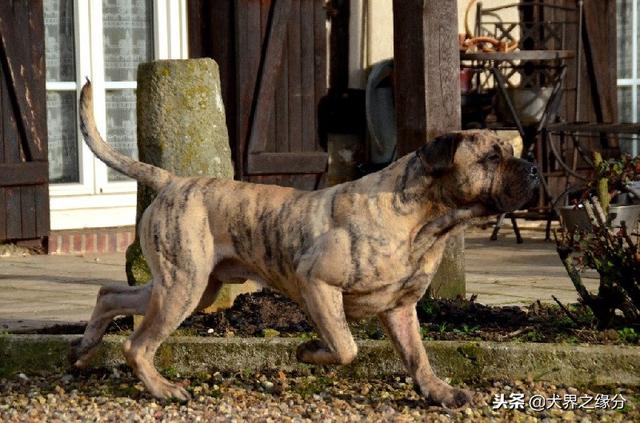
(634, 189)
(530, 104)
(628, 214)
(573, 217)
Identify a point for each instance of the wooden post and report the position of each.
(427, 64)
(427, 87)
(340, 12)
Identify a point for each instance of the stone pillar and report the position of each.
(181, 128)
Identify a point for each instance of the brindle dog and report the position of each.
(362, 248)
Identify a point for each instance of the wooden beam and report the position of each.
(427, 64)
(340, 12)
(196, 28)
(22, 174)
(22, 53)
(320, 42)
(268, 72)
(599, 40)
(427, 93)
(293, 163)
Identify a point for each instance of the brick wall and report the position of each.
(91, 241)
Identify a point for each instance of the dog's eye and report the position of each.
(494, 157)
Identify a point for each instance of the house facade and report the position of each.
(628, 66)
(105, 40)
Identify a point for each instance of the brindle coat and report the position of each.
(367, 247)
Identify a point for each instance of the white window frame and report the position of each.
(94, 201)
(634, 81)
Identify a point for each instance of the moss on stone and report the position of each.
(470, 350)
(270, 333)
(582, 365)
(33, 354)
(136, 266)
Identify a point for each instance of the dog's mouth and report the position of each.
(494, 204)
(511, 199)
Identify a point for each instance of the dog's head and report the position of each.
(477, 167)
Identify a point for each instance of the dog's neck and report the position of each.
(406, 190)
(413, 191)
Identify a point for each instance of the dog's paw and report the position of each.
(74, 350)
(77, 353)
(457, 398)
(80, 355)
(438, 392)
(169, 391)
(307, 350)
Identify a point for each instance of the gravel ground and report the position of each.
(117, 396)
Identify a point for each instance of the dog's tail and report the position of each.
(151, 176)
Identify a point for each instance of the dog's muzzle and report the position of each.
(532, 182)
(523, 179)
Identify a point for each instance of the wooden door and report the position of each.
(272, 56)
(24, 194)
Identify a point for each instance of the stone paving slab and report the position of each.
(503, 272)
(38, 291)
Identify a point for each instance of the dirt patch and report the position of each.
(468, 320)
(252, 315)
(268, 313)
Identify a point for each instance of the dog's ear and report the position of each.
(437, 154)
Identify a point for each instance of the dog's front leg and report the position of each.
(112, 301)
(323, 303)
(402, 327)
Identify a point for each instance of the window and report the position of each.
(128, 41)
(103, 40)
(61, 91)
(628, 72)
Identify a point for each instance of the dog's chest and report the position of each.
(383, 260)
(382, 297)
(396, 282)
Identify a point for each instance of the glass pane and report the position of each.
(625, 108)
(63, 141)
(59, 40)
(625, 37)
(628, 145)
(128, 37)
(121, 125)
(637, 35)
(625, 113)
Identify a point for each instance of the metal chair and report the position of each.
(530, 83)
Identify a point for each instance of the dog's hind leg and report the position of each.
(210, 294)
(323, 303)
(402, 327)
(170, 303)
(178, 288)
(113, 300)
